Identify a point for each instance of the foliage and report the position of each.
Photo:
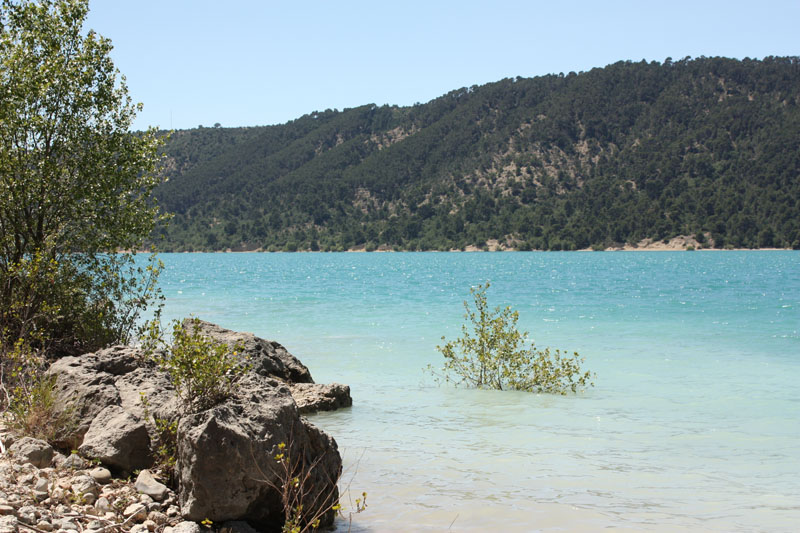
(203, 371)
(304, 506)
(75, 184)
(559, 162)
(492, 354)
(29, 398)
(166, 442)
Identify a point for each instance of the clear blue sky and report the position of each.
(251, 62)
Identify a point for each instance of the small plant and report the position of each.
(304, 505)
(493, 355)
(203, 371)
(166, 442)
(29, 395)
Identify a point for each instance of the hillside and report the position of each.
(707, 147)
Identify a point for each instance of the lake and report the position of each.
(693, 425)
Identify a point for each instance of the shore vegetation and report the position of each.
(75, 188)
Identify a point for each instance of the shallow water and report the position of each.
(694, 422)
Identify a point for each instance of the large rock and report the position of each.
(267, 358)
(312, 397)
(34, 451)
(230, 450)
(119, 439)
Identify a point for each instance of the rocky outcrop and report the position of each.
(312, 397)
(267, 358)
(116, 376)
(231, 448)
(226, 459)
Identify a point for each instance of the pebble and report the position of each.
(44, 525)
(8, 524)
(137, 511)
(101, 475)
(7, 510)
(158, 518)
(67, 524)
(187, 527)
(103, 505)
(74, 461)
(148, 485)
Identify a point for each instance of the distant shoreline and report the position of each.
(681, 243)
(469, 251)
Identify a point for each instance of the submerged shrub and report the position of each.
(492, 354)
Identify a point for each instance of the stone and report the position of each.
(313, 397)
(157, 517)
(40, 484)
(32, 451)
(149, 525)
(186, 526)
(119, 439)
(139, 528)
(102, 505)
(28, 514)
(8, 524)
(227, 455)
(66, 524)
(267, 358)
(84, 488)
(101, 475)
(44, 525)
(148, 485)
(136, 512)
(74, 461)
(7, 510)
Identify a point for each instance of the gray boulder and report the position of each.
(119, 439)
(115, 376)
(267, 358)
(312, 397)
(230, 450)
(34, 451)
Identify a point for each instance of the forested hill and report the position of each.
(707, 147)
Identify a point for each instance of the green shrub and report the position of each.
(75, 185)
(203, 371)
(166, 440)
(29, 399)
(494, 356)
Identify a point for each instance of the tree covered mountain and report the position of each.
(707, 147)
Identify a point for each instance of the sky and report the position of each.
(260, 62)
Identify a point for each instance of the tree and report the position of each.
(494, 356)
(75, 184)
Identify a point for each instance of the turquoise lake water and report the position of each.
(693, 425)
